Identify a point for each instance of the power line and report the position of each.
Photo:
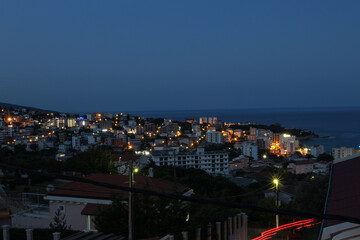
(249, 193)
(195, 199)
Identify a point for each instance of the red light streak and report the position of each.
(273, 231)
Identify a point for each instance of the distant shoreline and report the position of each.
(307, 138)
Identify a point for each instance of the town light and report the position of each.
(187, 217)
(276, 182)
(136, 170)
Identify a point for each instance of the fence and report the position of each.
(234, 228)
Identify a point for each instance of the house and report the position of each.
(79, 201)
(301, 167)
(123, 161)
(286, 194)
(321, 167)
(239, 163)
(243, 181)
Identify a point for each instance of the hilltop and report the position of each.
(9, 105)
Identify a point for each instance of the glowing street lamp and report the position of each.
(131, 199)
(276, 182)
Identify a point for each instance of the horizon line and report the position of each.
(183, 110)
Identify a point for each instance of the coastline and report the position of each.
(332, 127)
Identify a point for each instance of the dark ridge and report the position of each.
(9, 105)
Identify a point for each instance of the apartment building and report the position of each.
(214, 137)
(343, 152)
(213, 162)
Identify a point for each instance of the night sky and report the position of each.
(78, 56)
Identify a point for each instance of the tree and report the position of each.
(325, 157)
(311, 194)
(152, 217)
(59, 222)
(92, 161)
(113, 218)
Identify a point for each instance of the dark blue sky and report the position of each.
(162, 55)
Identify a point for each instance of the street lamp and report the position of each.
(131, 200)
(276, 182)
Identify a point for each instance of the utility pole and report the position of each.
(276, 182)
(174, 165)
(131, 203)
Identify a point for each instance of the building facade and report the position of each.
(214, 137)
(213, 162)
(343, 152)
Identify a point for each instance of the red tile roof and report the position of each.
(304, 162)
(125, 157)
(91, 209)
(87, 190)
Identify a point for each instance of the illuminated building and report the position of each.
(212, 120)
(149, 127)
(342, 152)
(250, 150)
(214, 137)
(203, 120)
(70, 122)
(190, 120)
(283, 144)
(213, 162)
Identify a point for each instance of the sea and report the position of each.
(337, 127)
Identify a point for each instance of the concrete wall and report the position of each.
(72, 213)
(30, 220)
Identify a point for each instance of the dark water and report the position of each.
(342, 125)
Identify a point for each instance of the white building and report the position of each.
(203, 120)
(213, 120)
(343, 152)
(90, 116)
(132, 123)
(238, 133)
(289, 144)
(250, 150)
(91, 139)
(70, 122)
(253, 131)
(196, 128)
(75, 142)
(317, 150)
(214, 137)
(81, 122)
(60, 122)
(213, 162)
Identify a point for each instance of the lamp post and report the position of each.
(276, 182)
(131, 199)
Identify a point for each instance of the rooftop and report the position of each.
(167, 153)
(87, 190)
